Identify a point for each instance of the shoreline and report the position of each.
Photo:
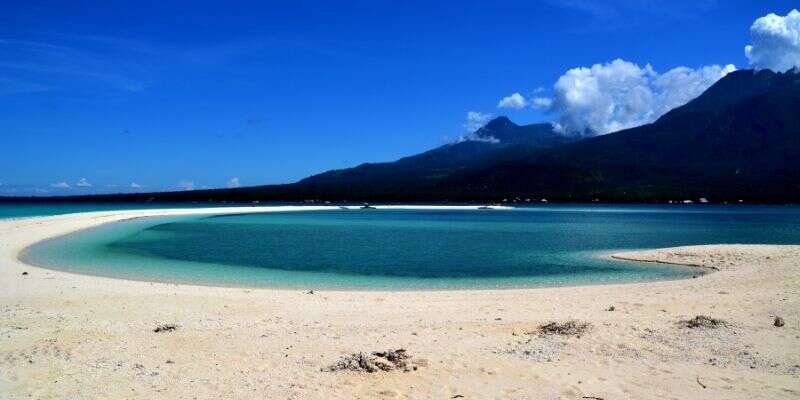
(242, 210)
(615, 255)
(71, 335)
(630, 256)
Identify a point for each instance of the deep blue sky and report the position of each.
(162, 92)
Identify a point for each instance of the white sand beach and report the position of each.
(67, 336)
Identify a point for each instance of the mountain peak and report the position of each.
(504, 131)
(501, 122)
(496, 129)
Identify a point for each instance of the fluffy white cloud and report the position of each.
(678, 86)
(135, 185)
(186, 185)
(475, 120)
(518, 101)
(83, 183)
(775, 42)
(60, 185)
(515, 101)
(541, 102)
(618, 95)
(233, 183)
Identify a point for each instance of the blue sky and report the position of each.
(172, 95)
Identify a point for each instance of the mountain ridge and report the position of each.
(740, 139)
(474, 149)
(745, 140)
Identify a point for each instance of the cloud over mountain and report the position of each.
(775, 42)
(609, 97)
(475, 120)
(618, 95)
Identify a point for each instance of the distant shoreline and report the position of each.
(190, 199)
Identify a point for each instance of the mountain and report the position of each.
(738, 140)
(412, 174)
(505, 132)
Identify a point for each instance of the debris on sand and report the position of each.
(701, 383)
(612, 308)
(390, 360)
(165, 328)
(778, 322)
(567, 328)
(25, 273)
(703, 321)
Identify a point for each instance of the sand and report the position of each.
(82, 337)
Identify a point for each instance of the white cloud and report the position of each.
(83, 183)
(515, 101)
(541, 102)
(476, 120)
(678, 86)
(775, 42)
(471, 137)
(233, 183)
(618, 95)
(60, 185)
(135, 185)
(186, 185)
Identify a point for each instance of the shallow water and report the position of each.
(404, 249)
(29, 209)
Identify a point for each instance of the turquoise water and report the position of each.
(403, 249)
(19, 210)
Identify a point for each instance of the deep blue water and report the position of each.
(374, 249)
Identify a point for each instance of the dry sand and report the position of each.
(66, 336)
